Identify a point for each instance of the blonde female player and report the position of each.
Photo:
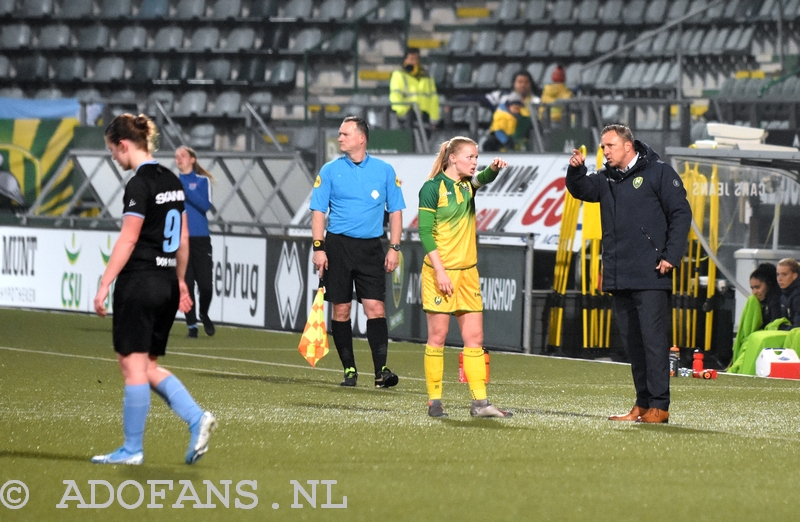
(450, 284)
(148, 262)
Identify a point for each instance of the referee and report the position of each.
(355, 190)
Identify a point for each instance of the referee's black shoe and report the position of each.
(350, 377)
(385, 378)
(208, 326)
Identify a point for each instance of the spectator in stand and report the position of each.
(555, 91)
(503, 133)
(412, 84)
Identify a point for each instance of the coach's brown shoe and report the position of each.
(634, 415)
(654, 416)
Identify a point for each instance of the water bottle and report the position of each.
(697, 361)
(674, 361)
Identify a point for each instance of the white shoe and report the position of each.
(198, 443)
(120, 456)
(485, 408)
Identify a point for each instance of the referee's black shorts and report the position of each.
(145, 304)
(352, 260)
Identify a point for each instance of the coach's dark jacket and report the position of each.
(790, 304)
(645, 217)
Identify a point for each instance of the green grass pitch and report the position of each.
(730, 453)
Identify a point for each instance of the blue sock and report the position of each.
(135, 406)
(177, 397)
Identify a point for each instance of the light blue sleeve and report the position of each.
(321, 193)
(394, 193)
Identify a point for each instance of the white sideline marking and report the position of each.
(215, 357)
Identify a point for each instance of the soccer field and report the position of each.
(729, 453)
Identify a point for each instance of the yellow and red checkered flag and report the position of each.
(314, 342)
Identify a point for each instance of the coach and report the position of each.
(355, 190)
(646, 219)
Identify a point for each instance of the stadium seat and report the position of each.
(659, 42)
(227, 103)
(743, 44)
(92, 38)
(486, 75)
(332, 10)
(507, 73)
(153, 9)
(611, 12)
(166, 98)
(49, 93)
(115, 9)
(204, 39)
(438, 71)
(146, 70)
(283, 74)
(718, 45)
(89, 95)
(633, 13)
(218, 69)
(707, 43)
(513, 43)
(54, 36)
(252, 70)
(583, 45)
(109, 69)
(606, 42)
(202, 136)
(363, 7)
(507, 11)
(261, 101)
(298, 9)
(535, 12)
(462, 75)
(36, 8)
(677, 9)
(180, 69)
(77, 9)
(132, 38)
(240, 39)
(304, 40)
(342, 42)
(693, 43)
(654, 12)
(277, 39)
(694, 5)
(168, 38)
(32, 67)
(5, 66)
(226, 9)
(70, 69)
(263, 8)
(17, 36)
(537, 44)
(459, 42)
(562, 11)
(561, 44)
(190, 10)
(12, 92)
(587, 12)
(395, 12)
(715, 13)
(486, 42)
(536, 70)
(192, 103)
(649, 75)
(7, 8)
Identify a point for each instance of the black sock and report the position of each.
(342, 332)
(378, 337)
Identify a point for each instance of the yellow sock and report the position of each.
(434, 368)
(475, 370)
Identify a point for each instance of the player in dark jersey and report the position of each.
(149, 264)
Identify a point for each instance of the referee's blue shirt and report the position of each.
(357, 196)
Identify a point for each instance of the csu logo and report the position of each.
(289, 284)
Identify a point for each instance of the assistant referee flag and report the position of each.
(314, 342)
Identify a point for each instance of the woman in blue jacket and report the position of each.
(197, 188)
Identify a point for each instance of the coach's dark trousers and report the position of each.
(199, 270)
(644, 320)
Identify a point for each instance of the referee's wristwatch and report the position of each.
(395, 246)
